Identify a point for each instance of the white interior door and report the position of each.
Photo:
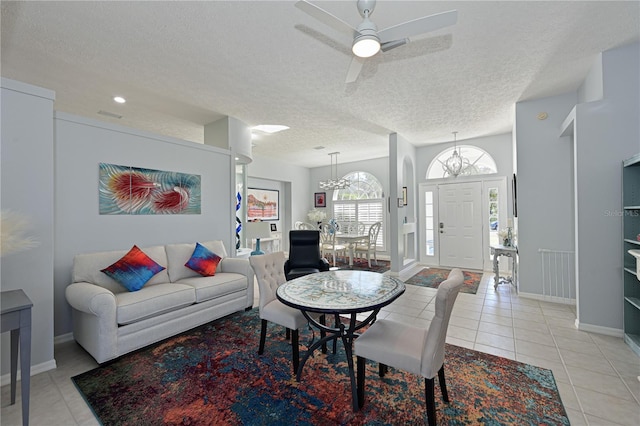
(460, 225)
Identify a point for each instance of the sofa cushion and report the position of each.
(87, 267)
(179, 254)
(151, 301)
(203, 261)
(133, 270)
(207, 288)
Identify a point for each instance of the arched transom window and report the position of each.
(479, 162)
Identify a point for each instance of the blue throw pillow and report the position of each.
(134, 269)
(203, 261)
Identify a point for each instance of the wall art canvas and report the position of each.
(262, 204)
(134, 190)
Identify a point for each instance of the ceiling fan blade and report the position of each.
(325, 17)
(418, 26)
(393, 44)
(354, 69)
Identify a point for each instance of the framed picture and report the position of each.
(404, 195)
(274, 228)
(320, 199)
(263, 204)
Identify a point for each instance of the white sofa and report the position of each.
(109, 320)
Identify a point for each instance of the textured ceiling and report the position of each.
(182, 65)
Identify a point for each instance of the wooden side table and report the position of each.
(511, 252)
(16, 317)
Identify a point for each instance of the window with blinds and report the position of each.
(362, 201)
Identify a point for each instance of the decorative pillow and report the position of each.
(134, 269)
(203, 261)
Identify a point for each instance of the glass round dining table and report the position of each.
(339, 293)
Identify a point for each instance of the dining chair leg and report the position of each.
(431, 401)
(336, 324)
(360, 373)
(288, 334)
(295, 351)
(382, 369)
(263, 336)
(443, 384)
(323, 321)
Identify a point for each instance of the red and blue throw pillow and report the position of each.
(203, 261)
(134, 269)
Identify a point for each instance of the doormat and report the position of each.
(432, 277)
(213, 375)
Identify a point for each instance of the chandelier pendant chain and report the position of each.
(334, 182)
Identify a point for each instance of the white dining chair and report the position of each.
(416, 350)
(269, 271)
(328, 245)
(367, 246)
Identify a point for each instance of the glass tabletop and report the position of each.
(340, 291)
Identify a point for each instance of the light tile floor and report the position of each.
(597, 375)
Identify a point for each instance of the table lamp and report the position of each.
(255, 231)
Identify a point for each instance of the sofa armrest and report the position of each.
(243, 267)
(91, 299)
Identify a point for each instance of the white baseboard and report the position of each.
(608, 331)
(552, 299)
(5, 379)
(63, 338)
(405, 274)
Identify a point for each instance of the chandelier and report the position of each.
(456, 164)
(333, 182)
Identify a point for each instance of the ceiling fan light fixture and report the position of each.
(366, 42)
(366, 46)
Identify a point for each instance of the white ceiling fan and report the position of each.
(367, 40)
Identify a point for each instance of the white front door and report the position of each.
(460, 225)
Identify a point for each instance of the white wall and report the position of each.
(402, 156)
(81, 144)
(27, 189)
(545, 215)
(295, 199)
(606, 133)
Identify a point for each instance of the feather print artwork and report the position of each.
(132, 190)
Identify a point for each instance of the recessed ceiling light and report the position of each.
(119, 99)
(270, 128)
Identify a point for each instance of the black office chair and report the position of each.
(304, 254)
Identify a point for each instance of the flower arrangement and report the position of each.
(316, 215)
(507, 236)
(12, 229)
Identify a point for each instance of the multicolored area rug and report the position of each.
(361, 264)
(214, 375)
(432, 277)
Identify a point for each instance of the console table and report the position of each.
(506, 251)
(16, 317)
